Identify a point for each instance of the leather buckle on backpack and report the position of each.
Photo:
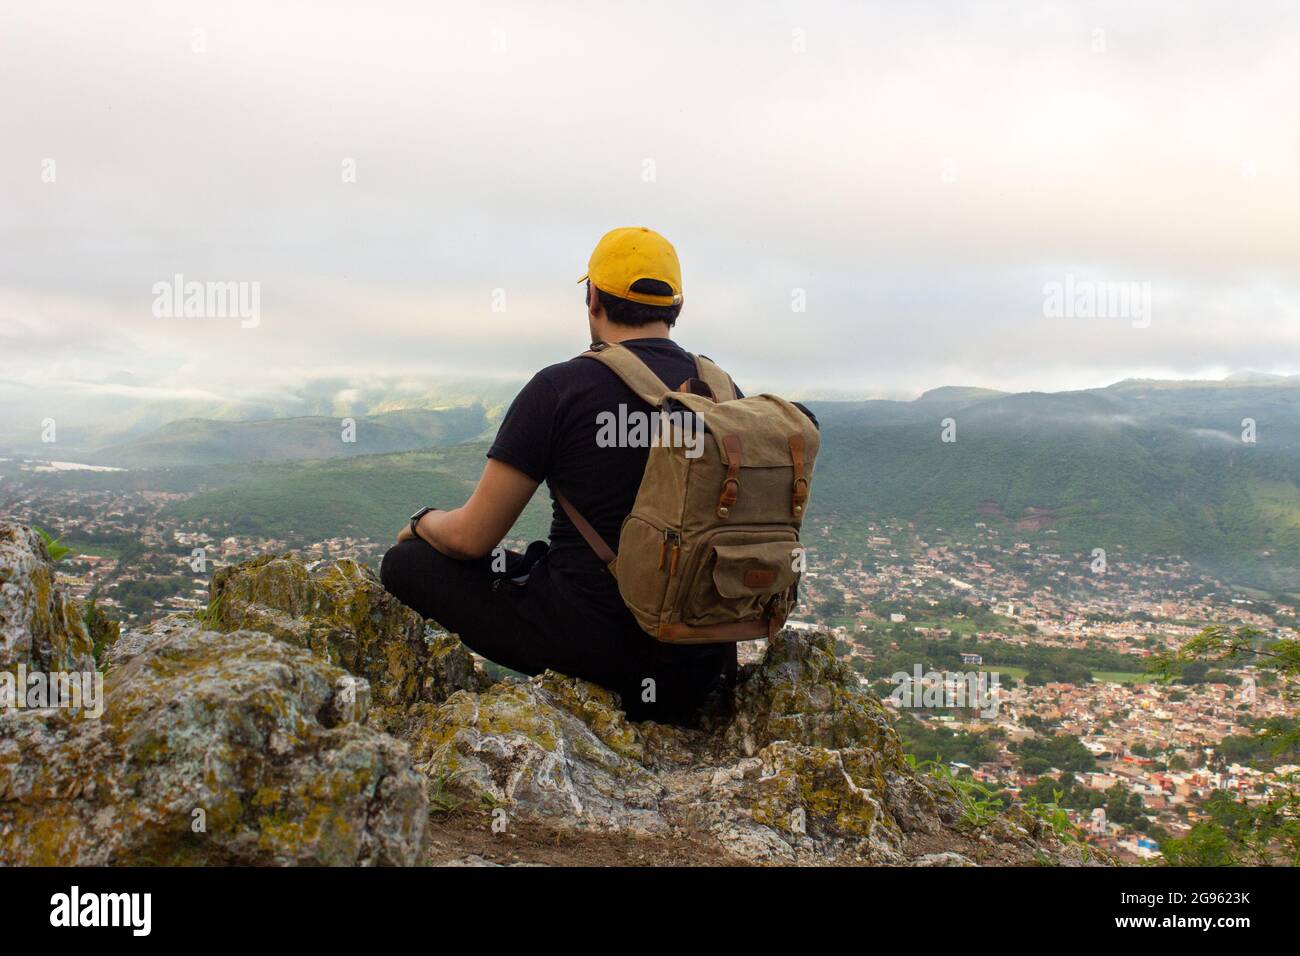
(730, 491)
(731, 484)
(799, 492)
(800, 495)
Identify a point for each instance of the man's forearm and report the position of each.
(474, 529)
(443, 530)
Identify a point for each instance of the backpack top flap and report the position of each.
(762, 426)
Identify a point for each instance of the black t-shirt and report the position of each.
(549, 433)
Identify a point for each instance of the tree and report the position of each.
(1237, 833)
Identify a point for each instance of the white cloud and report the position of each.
(919, 171)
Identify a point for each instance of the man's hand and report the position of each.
(405, 534)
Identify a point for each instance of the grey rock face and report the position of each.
(213, 748)
(40, 627)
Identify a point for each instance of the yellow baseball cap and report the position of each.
(626, 255)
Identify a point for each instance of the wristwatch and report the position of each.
(415, 520)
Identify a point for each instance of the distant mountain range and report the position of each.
(1139, 466)
(197, 441)
(112, 417)
(1150, 466)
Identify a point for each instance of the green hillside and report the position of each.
(363, 497)
(1152, 467)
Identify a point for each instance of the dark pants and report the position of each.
(528, 619)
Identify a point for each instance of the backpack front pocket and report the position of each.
(736, 574)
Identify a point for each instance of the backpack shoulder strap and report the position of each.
(718, 380)
(635, 374)
(589, 534)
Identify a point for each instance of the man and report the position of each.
(556, 606)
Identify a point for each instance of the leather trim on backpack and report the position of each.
(764, 627)
(730, 484)
(589, 534)
(799, 493)
(697, 563)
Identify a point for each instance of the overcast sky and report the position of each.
(919, 171)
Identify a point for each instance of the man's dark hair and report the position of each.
(635, 314)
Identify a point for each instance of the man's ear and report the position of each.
(595, 310)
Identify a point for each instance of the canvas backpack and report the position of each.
(710, 552)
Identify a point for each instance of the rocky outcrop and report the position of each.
(550, 747)
(804, 767)
(216, 748)
(339, 611)
(259, 713)
(39, 626)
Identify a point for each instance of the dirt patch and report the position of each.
(466, 836)
(455, 836)
(1035, 519)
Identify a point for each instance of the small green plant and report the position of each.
(57, 551)
(210, 616)
(1054, 815)
(442, 800)
(978, 803)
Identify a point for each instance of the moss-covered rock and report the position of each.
(802, 693)
(550, 747)
(40, 627)
(811, 793)
(103, 631)
(214, 748)
(339, 611)
(803, 767)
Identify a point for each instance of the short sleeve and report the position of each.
(526, 437)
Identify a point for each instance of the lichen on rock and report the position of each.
(40, 627)
(214, 748)
(801, 692)
(550, 747)
(339, 611)
(239, 734)
(269, 712)
(802, 766)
